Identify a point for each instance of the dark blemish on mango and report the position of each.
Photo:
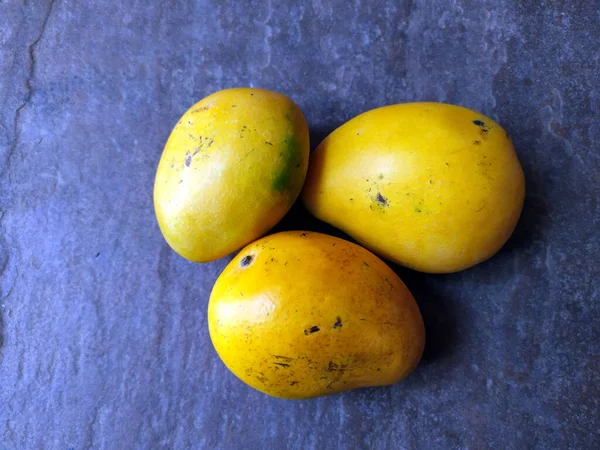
(234, 106)
(418, 210)
(312, 330)
(338, 324)
(484, 128)
(476, 142)
(282, 364)
(97, 254)
(303, 234)
(200, 108)
(283, 358)
(381, 199)
(180, 181)
(290, 114)
(447, 164)
(188, 159)
(293, 383)
(351, 198)
(246, 261)
(332, 367)
(365, 263)
(268, 143)
(381, 176)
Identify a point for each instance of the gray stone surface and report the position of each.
(104, 341)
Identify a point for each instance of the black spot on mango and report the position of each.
(381, 199)
(246, 260)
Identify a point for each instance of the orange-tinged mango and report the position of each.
(301, 314)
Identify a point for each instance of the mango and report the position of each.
(434, 187)
(231, 169)
(301, 314)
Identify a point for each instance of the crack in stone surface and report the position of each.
(28, 95)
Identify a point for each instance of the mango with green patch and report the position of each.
(231, 169)
(434, 187)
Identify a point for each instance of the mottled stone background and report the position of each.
(104, 341)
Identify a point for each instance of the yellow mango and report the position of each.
(231, 169)
(434, 187)
(299, 314)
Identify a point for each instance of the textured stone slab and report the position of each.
(104, 335)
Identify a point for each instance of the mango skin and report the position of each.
(231, 169)
(300, 314)
(434, 187)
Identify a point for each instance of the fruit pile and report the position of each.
(434, 187)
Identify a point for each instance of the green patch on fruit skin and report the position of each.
(291, 161)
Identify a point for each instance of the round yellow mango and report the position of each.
(434, 187)
(231, 169)
(299, 314)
